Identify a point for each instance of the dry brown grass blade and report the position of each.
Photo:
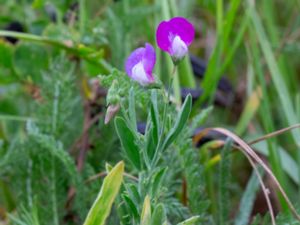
(264, 189)
(273, 134)
(247, 150)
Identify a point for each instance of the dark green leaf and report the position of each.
(127, 139)
(131, 206)
(133, 193)
(180, 122)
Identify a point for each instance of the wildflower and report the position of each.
(139, 65)
(174, 36)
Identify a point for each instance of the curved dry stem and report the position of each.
(264, 189)
(251, 153)
(273, 134)
(103, 174)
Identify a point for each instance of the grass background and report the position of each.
(49, 76)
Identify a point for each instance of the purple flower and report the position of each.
(139, 65)
(174, 36)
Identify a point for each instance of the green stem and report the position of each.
(82, 14)
(158, 148)
(53, 192)
(70, 49)
(186, 75)
(16, 118)
(219, 13)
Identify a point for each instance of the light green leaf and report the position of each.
(146, 212)
(109, 190)
(190, 221)
(159, 215)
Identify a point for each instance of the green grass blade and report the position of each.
(247, 201)
(249, 111)
(214, 67)
(224, 170)
(276, 75)
(186, 75)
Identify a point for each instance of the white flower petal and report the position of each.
(179, 49)
(139, 74)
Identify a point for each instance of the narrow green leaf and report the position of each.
(249, 111)
(214, 67)
(247, 201)
(180, 122)
(277, 75)
(146, 212)
(109, 190)
(275, 72)
(127, 139)
(190, 221)
(224, 177)
(132, 208)
(159, 215)
(152, 136)
(151, 143)
(133, 193)
(157, 179)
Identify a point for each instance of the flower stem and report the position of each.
(158, 148)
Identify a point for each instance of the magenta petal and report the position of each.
(149, 58)
(135, 57)
(183, 28)
(167, 30)
(162, 36)
(139, 65)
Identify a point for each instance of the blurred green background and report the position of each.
(52, 135)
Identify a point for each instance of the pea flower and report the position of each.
(140, 63)
(174, 36)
